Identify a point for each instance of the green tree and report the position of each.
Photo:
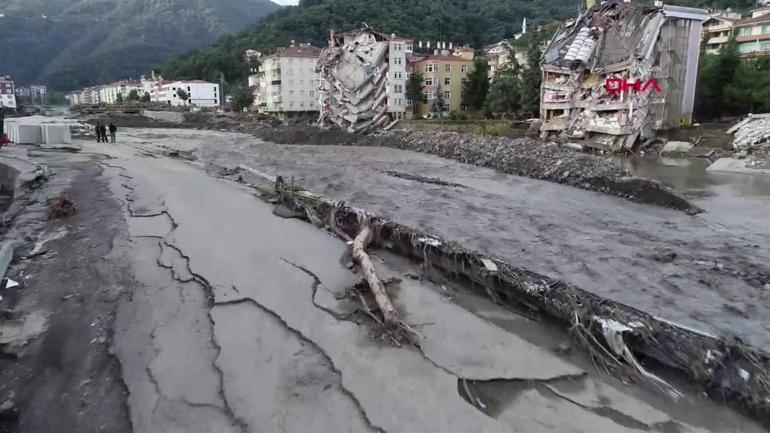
(505, 91)
(530, 82)
(182, 95)
(55, 98)
(749, 91)
(242, 99)
(415, 90)
(476, 86)
(133, 95)
(146, 97)
(715, 74)
(439, 104)
(119, 98)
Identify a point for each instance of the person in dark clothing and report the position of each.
(113, 131)
(98, 132)
(103, 131)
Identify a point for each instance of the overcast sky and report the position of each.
(286, 2)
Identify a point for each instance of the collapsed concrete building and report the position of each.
(362, 80)
(620, 72)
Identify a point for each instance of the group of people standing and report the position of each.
(101, 132)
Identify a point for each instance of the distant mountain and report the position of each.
(73, 43)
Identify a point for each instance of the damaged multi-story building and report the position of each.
(362, 80)
(621, 72)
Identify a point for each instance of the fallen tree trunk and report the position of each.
(364, 238)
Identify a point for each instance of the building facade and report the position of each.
(444, 73)
(109, 92)
(610, 86)
(362, 80)
(286, 82)
(7, 93)
(37, 93)
(499, 56)
(199, 93)
(753, 33)
(718, 29)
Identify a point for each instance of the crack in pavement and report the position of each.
(208, 291)
(313, 344)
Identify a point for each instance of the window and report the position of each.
(448, 68)
(429, 82)
(312, 94)
(766, 29)
(398, 88)
(447, 81)
(291, 92)
(464, 68)
(291, 104)
(430, 95)
(409, 48)
(430, 68)
(301, 105)
(744, 31)
(397, 75)
(408, 103)
(399, 102)
(397, 60)
(447, 95)
(312, 104)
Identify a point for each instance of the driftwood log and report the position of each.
(360, 257)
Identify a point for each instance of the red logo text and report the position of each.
(619, 85)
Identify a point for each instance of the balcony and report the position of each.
(717, 40)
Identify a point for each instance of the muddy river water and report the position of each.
(710, 272)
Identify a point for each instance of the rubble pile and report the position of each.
(752, 133)
(621, 71)
(354, 78)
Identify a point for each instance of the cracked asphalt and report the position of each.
(230, 320)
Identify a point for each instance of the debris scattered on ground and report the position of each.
(752, 132)
(62, 207)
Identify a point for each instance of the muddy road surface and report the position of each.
(174, 301)
(710, 271)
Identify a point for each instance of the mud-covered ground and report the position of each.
(56, 370)
(174, 301)
(708, 271)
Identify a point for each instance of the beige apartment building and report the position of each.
(288, 82)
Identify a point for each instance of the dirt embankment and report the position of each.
(520, 156)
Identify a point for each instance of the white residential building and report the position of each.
(287, 81)
(109, 92)
(199, 93)
(398, 49)
(7, 93)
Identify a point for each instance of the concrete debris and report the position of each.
(620, 72)
(677, 147)
(752, 132)
(39, 130)
(6, 256)
(355, 80)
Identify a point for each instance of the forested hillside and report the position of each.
(73, 43)
(476, 22)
